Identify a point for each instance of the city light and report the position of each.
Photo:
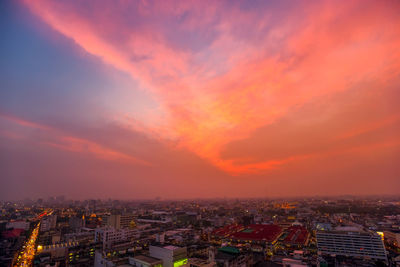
(28, 253)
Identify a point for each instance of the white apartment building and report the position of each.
(351, 244)
(109, 235)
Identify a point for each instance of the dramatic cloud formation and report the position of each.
(322, 50)
(252, 88)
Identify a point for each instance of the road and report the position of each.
(26, 255)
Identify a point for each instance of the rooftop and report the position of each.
(258, 232)
(146, 259)
(231, 250)
(296, 235)
(170, 247)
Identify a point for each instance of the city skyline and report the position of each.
(236, 99)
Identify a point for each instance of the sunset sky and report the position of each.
(182, 99)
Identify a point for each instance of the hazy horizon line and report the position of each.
(160, 199)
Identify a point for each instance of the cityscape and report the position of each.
(345, 231)
(199, 133)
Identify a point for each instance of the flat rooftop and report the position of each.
(147, 259)
(170, 247)
(259, 232)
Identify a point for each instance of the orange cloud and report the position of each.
(237, 82)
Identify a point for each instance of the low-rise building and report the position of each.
(109, 235)
(231, 257)
(260, 234)
(171, 256)
(145, 261)
(24, 225)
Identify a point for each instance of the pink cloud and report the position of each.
(56, 138)
(23, 122)
(79, 145)
(239, 80)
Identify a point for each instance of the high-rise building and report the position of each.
(48, 223)
(114, 221)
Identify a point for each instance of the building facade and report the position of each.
(351, 244)
(171, 256)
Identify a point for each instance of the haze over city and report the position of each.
(199, 99)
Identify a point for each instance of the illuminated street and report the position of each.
(26, 255)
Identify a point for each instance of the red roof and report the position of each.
(254, 232)
(259, 232)
(227, 230)
(12, 233)
(297, 235)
